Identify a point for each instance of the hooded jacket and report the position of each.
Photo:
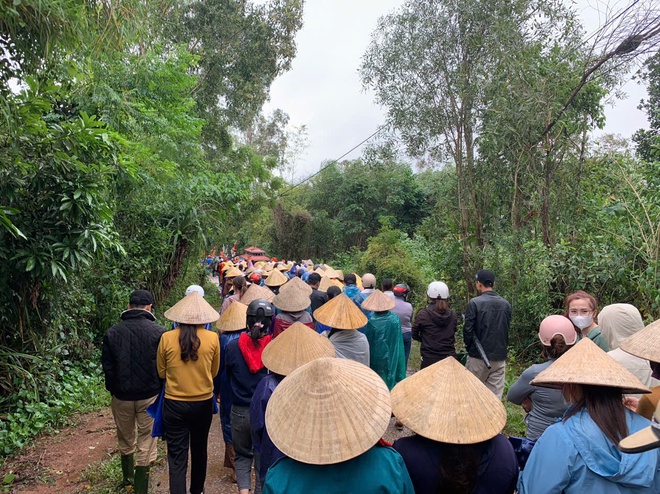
(436, 332)
(617, 322)
(354, 293)
(576, 457)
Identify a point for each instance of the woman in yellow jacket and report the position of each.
(188, 359)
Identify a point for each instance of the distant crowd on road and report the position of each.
(307, 367)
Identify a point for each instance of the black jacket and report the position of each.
(318, 298)
(129, 356)
(488, 317)
(436, 332)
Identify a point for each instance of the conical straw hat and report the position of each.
(644, 343)
(192, 309)
(341, 313)
(378, 302)
(283, 267)
(445, 402)
(292, 299)
(294, 348)
(328, 411)
(358, 281)
(319, 270)
(297, 283)
(340, 274)
(586, 363)
(254, 292)
(234, 318)
(325, 284)
(228, 265)
(275, 278)
(233, 273)
(331, 273)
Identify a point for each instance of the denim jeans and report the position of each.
(407, 344)
(244, 452)
(186, 425)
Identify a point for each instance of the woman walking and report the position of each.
(245, 370)
(579, 454)
(188, 359)
(544, 406)
(457, 446)
(435, 326)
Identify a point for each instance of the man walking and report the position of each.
(317, 297)
(131, 377)
(487, 321)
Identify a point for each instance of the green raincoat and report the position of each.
(387, 357)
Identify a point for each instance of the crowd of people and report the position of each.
(306, 366)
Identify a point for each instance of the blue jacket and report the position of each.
(354, 293)
(576, 457)
(268, 452)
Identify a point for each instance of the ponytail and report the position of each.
(441, 305)
(189, 342)
(258, 326)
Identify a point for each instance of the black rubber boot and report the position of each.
(141, 480)
(127, 470)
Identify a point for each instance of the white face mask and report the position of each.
(582, 322)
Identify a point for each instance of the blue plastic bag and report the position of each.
(155, 411)
(522, 447)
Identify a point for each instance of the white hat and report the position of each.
(194, 288)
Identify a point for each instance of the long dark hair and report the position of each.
(606, 409)
(459, 468)
(189, 342)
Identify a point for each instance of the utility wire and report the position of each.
(329, 164)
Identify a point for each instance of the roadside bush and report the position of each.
(387, 256)
(67, 390)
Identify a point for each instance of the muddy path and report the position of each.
(56, 464)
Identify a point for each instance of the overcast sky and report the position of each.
(323, 89)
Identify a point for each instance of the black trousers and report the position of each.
(186, 425)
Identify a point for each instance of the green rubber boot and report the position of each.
(127, 470)
(141, 480)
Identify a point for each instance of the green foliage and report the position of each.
(387, 256)
(102, 478)
(55, 178)
(344, 205)
(243, 47)
(515, 415)
(63, 389)
(105, 181)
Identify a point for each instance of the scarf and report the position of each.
(251, 353)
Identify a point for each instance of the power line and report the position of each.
(329, 164)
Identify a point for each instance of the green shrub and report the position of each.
(66, 390)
